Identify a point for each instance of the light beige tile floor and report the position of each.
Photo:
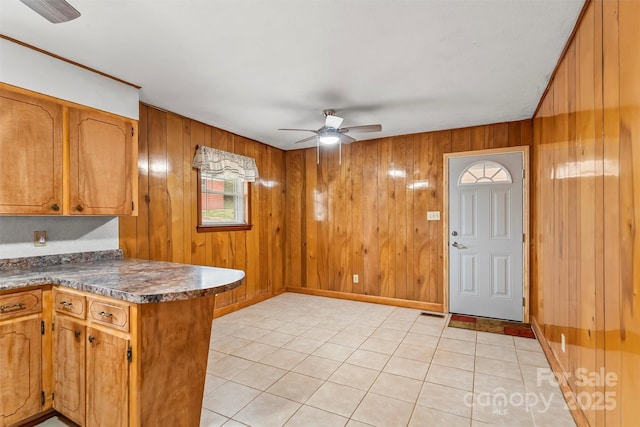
(340, 363)
(299, 360)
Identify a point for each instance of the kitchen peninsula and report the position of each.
(105, 340)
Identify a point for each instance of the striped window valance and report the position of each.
(224, 165)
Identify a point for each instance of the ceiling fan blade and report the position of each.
(364, 128)
(333, 121)
(55, 11)
(302, 130)
(346, 139)
(311, 138)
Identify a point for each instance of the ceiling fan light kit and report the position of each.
(54, 11)
(331, 133)
(329, 136)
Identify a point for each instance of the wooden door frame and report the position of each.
(524, 149)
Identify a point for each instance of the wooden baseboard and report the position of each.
(419, 305)
(576, 412)
(242, 304)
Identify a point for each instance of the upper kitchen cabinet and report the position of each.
(101, 168)
(60, 158)
(31, 138)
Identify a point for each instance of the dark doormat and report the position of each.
(486, 324)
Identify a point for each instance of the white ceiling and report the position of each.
(252, 66)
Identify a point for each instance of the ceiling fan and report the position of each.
(54, 11)
(331, 133)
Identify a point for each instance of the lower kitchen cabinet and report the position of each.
(104, 362)
(91, 359)
(21, 332)
(69, 359)
(21, 373)
(107, 380)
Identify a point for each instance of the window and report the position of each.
(485, 172)
(224, 204)
(224, 191)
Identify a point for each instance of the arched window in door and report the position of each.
(485, 172)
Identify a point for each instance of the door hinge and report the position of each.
(42, 327)
(130, 354)
(42, 397)
(523, 303)
(522, 173)
(524, 238)
(133, 206)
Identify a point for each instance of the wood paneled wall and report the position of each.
(586, 264)
(368, 215)
(165, 229)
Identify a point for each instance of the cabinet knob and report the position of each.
(91, 339)
(76, 334)
(55, 207)
(79, 208)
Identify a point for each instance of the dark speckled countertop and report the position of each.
(108, 274)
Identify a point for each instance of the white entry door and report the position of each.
(485, 236)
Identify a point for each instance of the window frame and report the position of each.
(484, 179)
(200, 228)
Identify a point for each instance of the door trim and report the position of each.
(524, 149)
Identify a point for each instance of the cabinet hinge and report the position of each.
(53, 397)
(42, 397)
(133, 206)
(42, 328)
(130, 354)
(53, 326)
(131, 130)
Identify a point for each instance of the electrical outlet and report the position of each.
(355, 278)
(562, 342)
(39, 238)
(433, 216)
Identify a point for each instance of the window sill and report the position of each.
(215, 228)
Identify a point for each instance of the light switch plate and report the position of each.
(433, 216)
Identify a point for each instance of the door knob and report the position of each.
(454, 233)
(456, 245)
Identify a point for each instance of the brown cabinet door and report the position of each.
(107, 380)
(69, 361)
(30, 155)
(100, 168)
(21, 373)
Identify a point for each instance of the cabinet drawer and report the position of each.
(20, 304)
(71, 304)
(110, 314)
